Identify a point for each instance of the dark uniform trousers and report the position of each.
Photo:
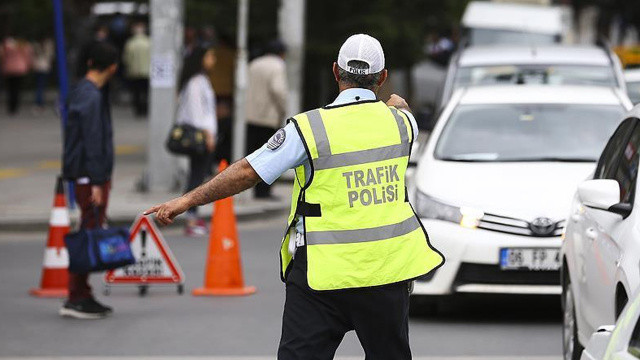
(314, 322)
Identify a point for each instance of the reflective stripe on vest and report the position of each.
(362, 235)
(326, 160)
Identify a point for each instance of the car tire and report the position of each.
(571, 347)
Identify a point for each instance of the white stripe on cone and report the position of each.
(56, 258)
(59, 217)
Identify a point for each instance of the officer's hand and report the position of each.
(165, 213)
(398, 102)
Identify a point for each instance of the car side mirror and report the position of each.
(603, 194)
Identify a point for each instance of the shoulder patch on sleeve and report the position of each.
(276, 140)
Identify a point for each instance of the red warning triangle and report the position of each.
(155, 264)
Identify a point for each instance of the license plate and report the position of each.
(538, 259)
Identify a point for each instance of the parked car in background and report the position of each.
(490, 23)
(629, 55)
(617, 342)
(601, 247)
(632, 78)
(553, 64)
(494, 183)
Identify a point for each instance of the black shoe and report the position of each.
(82, 309)
(105, 308)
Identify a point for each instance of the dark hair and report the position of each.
(192, 66)
(369, 81)
(101, 56)
(276, 47)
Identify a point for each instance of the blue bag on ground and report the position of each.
(98, 249)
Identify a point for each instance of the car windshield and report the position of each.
(479, 36)
(535, 74)
(633, 89)
(527, 132)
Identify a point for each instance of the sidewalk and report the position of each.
(30, 152)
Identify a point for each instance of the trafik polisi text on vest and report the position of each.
(372, 186)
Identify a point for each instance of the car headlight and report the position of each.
(430, 208)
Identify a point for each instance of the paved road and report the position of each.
(165, 324)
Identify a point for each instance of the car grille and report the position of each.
(492, 274)
(516, 226)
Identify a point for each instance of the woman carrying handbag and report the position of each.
(197, 108)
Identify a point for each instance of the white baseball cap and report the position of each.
(365, 48)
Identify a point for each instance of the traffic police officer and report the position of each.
(353, 243)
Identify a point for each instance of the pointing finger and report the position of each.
(151, 210)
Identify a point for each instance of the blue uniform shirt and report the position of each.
(271, 160)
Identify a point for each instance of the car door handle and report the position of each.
(591, 233)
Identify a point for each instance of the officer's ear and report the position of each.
(336, 73)
(383, 77)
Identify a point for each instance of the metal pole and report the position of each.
(239, 129)
(63, 81)
(166, 44)
(291, 24)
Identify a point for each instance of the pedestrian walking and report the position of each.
(88, 160)
(353, 242)
(16, 58)
(137, 59)
(43, 53)
(266, 101)
(197, 107)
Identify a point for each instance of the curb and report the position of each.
(243, 214)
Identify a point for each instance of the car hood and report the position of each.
(525, 190)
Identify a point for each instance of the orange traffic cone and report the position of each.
(223, 274)
(55, 278)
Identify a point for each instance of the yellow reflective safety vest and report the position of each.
(359, 227)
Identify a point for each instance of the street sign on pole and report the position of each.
(166, 45)
(239, 128)
(63, 80)
(291, 29)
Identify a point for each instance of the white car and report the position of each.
(550, 64)
(619, 342)
(494, 182)
(632, 77)
(601, 247)
(489, 22)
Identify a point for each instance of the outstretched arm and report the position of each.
(236, 178)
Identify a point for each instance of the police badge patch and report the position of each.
(276, 140)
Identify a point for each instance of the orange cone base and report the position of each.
(49, 293)
(242, 291)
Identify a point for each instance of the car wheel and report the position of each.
(572, 349)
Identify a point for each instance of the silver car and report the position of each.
(551, 64)
(601, 247)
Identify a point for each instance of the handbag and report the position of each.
(185, 139)
(92, 250)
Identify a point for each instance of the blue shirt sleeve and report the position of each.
(272, 161)
(414, 124)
